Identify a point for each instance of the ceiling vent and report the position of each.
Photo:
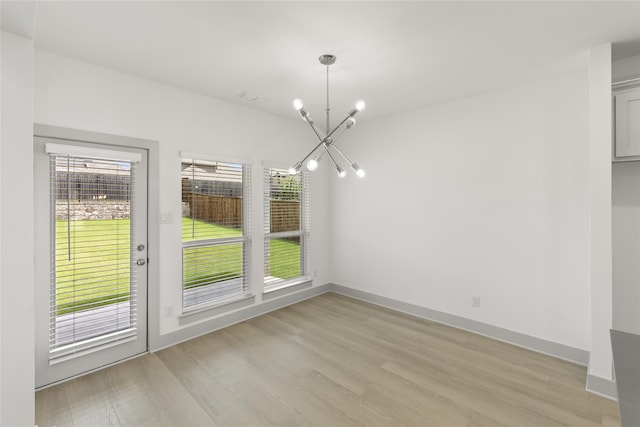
(254, 99)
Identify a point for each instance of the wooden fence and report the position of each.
(221, 210)
(285, 215)
(227, 211)
(92, 186)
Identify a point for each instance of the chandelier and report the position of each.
(327, 140)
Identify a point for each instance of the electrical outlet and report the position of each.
(168, 311)
(475, 301)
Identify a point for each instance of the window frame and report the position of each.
(244, 239)
(304, 233)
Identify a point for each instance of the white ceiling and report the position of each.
(398, 56)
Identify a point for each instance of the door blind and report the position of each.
(93, 285)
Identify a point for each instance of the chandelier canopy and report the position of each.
(327, 141)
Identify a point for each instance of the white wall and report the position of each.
(626, 247)
(486, 196)
(626, 68)
(16, 231)
(78, 95)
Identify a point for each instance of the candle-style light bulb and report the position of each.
(312, 164)
(297, 104)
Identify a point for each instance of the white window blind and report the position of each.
(216, 251)
(93, 285)
(286, 228)
(83, 152)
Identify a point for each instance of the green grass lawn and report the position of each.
(207, 265)
(98, 272)
(284, 259)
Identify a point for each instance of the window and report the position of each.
(286, 228)
(95, 196)
(215, 231)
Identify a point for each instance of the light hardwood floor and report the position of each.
(332, 361)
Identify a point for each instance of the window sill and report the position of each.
(285, 288)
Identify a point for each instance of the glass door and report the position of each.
(91, 272)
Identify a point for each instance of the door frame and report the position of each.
(153, 212)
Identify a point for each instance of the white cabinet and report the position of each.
(627, 128)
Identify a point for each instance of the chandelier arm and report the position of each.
(331, 157)
(346, 159)
(337, 127)
(332, 141)
(357, 169)
(326, 150)
(322, 154)
(311, 152)
(314, 127)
